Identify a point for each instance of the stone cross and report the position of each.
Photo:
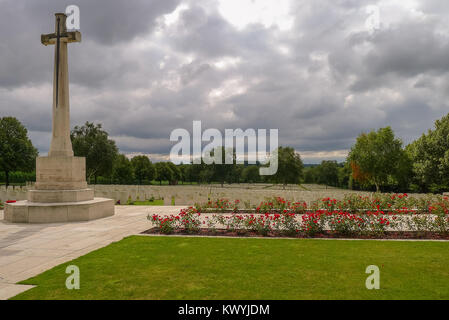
(60, 193)
(61, 146)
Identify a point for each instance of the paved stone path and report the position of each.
(27, 250)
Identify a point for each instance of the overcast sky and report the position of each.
(313, 69)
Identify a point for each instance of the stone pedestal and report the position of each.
(52, 196)
(60, 195)
(60, 173)
(33, 212)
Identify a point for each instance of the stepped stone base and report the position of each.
(53, 196)
(32, 212)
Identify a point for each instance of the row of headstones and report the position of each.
(187, 196)
(178, 195)
(182, 195)
(13, 193)
(190, 196)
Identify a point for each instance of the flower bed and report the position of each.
(329, 216)
(351, 217)
(351, 203)
(2, 206)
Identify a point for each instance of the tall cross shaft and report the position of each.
(61, 146)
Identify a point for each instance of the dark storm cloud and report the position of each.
(321, 83)
(404, 51)
(436, 7)
(23, 60)
(210, 35)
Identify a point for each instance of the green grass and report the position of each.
(149, 203)
(236, 268)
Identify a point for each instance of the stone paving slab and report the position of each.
(27, 250)
(10, 290)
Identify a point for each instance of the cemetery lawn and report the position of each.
(140, 267)
(149, 203)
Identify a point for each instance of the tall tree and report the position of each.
(221, 171)
(176, 173)
(290, 166)
(93, 143)
(251, 174)
(143, 168)
(344, 175)
(310, 174)
(188, 173)
(206, 175)
(16, 150)
(430, 156)
(195, 171)
(185, 172)
(327, 173)
(163, 172)
(236, 174)
(122, 170)
(377, 156)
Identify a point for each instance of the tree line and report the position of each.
(378, 161)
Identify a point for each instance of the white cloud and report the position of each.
(324, 154)
(172, 18)
(226, 90)
(269, 13)
(227, 62)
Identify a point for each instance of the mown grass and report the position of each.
(238, 268)
(158, 202)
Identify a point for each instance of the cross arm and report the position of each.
(73, 36)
